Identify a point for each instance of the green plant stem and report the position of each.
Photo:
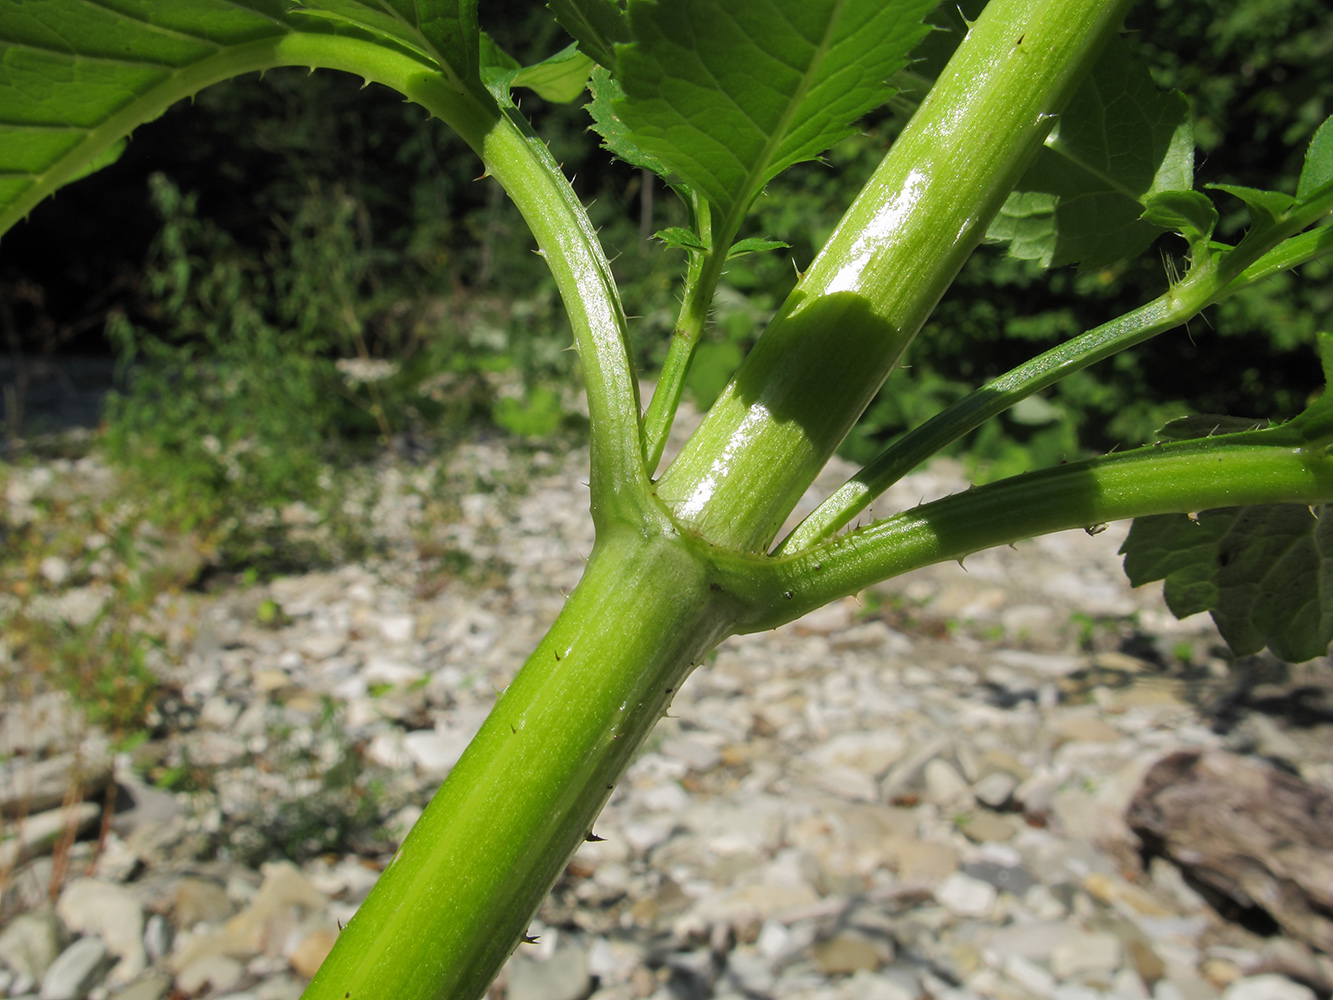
(1204, 286)
(461, 891)
(702, 276)
(1231, 470)
(866, 295)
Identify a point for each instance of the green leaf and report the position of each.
(1266, 207)
(727, 95)
(445, 30)
(1265, 573)
(1318, 170)
(616, 137)
(1119, 142)
(596, 25)
(1190, 213)
(754, 244)
(561, 78)
(76, 76)
(680, 238)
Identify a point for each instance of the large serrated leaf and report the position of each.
(727, 95)
(1118, 142)
(1265, 573)
(446, 30)
(76, 76)
(597, 25)
(616, 136)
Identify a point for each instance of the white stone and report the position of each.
(1028, 974)
(435, 751)
(848, 783)
(1267, 987)
(944, 784)
(75, 971)
(88, 906)
(1086, 953)
(966, 896)
(397, 628)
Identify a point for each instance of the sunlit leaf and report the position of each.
(728, 95)
(1118, 142)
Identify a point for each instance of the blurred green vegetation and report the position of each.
(295, 271)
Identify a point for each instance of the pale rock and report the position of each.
(311, 948)
(397, 628)
(75, 971)
(845, 953)
(1095, 952)
(320, 646)
(195, 900)
(966, 896)
(151, 988)
(924, 862)
(669, 797)
(1042, 664)
(751, 971)
(645, 834)
(88, 906)
(28, 786)
(944, 785)
(387, 750)
(1081, 725)
(217, 973)
(37, 834)
(871, 753)
(386, 670)
(995, 790)
(848, 783)
(1028, 974)
(865, 985)
(54, 569)
(435, 751)
(157, 938)
(697, 751)
(1035, 942)
(1267, 987)
(30, 942)
(562, 976)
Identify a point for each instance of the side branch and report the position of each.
(1233, 470)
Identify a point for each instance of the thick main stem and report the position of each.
(462, 889)
(900, 245)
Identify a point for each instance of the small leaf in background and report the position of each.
(755, 244)
(1264, 572)
(1119, 141)
(728, 95)
(596, 25)
(1266, 207)
(1190, 213)
(1318, 170)
(680, 238)
(616, 137)
(560, 78)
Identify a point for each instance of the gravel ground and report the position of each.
(916, 794)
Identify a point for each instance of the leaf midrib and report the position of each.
(753, 178)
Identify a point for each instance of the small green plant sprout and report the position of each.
(1041, 131)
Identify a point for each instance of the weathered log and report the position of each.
(1247, 831)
